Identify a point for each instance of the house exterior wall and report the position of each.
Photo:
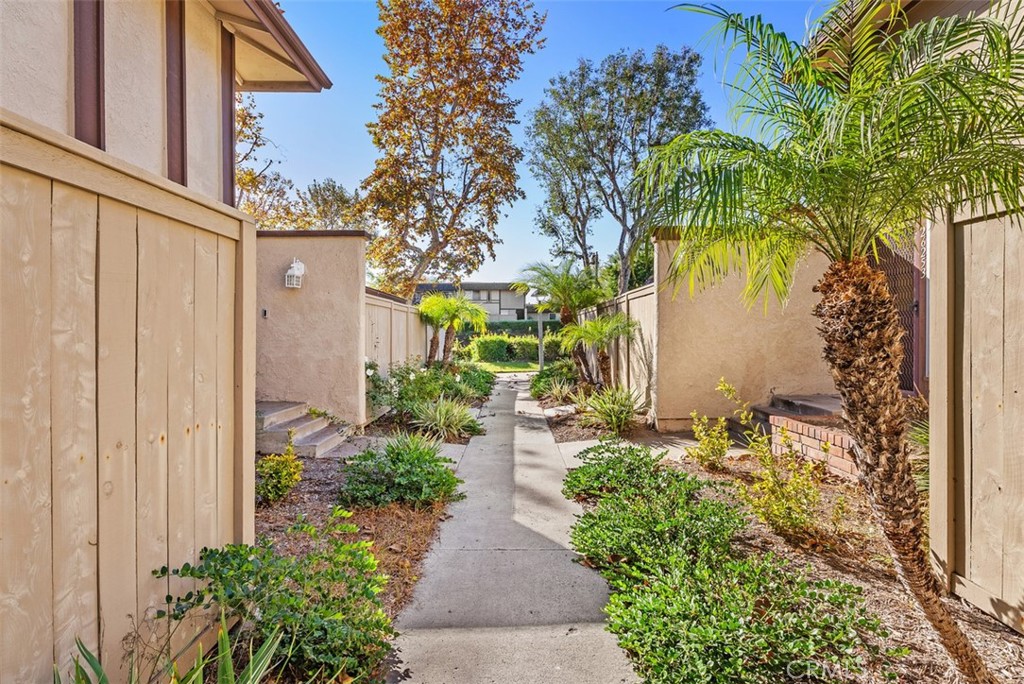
(127, 414)
(37, 80)
(310, 345)
(713, 335)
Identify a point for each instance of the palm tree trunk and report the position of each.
(449, 342)
(863, 348)
(604, 362)
(435, 341)
(579, 356)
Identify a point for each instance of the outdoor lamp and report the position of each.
(293, 278)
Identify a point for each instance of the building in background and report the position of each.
(501, 303)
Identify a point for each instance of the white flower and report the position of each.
(458, 378)
(369, 372)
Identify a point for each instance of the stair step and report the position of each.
(274, 439)
(271, 413)
(321, 442)
(808, 404)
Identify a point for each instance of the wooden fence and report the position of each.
(127, 413)
(394, 331)
(633, 361)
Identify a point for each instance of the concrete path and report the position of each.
(501, 600)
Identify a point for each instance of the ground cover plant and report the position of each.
(277, 475)
(689, 604)
(563, 370)
(445, 419)
(323, 603)
(407, 470)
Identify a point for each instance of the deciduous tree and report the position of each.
(447, 168)
(609, 116)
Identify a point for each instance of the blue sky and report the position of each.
(324, 135)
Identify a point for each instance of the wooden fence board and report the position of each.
(206, 390)
(962, 399)
(26, 596)
(116, 300)
(178, 307)
(151, 420)
(987, 504)
(73, 421)
(1013, 424)
(225, 390)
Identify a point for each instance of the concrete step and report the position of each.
(808, 404)
(275, 438)
(271, 413)
(321, 442)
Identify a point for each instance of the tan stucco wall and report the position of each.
(36, 78)
(310, 346)
(712, 335)
(135, 82)
(203, 105)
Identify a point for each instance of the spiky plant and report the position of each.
(599, 334)
(855, 137)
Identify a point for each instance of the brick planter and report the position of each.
(810, 440)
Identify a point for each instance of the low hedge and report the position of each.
(497, 348)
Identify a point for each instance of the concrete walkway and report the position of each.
(501, 599)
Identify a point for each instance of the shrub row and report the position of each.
(686, 606)
(514, 328)
(502, 347)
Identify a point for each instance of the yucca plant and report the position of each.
(613, 407)
(855, 137)
(560, 390)
(445, 419)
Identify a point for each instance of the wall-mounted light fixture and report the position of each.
(293, 278)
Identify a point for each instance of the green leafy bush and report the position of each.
(410, 384)
(407, 470)
(563, 369)
(614, 407)
(786, 489)
(445, 419)
(325, 603)
(713, 442)
(634, 531)
(523, 348)
(742, 621)
(491, 348)
(552, 347)
(277, 475)
(481, 380)
(609, 467)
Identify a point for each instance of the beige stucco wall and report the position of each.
(36, 72)
(712, 335)
(135, 82)
(310, 345)
(202, 99)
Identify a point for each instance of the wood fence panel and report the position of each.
(962, 393)
(205, 472)
(26, 561)
(73, 421)
(117, 283)
(225, 389)
(178, 306)
(1013, 411)
(151, 420)
(987, 504)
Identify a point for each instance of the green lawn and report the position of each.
(508, 366)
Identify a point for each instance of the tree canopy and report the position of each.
(447, 165)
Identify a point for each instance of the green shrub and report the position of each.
(523, 348)
(560, 390)
(410, 384)
(609, 467)
(324, 603)
(563, 369)
(633, 532)
(445, 419)
(614, 407)
(482, 381)
(407, 470)
(786, 488)
(277, 475)
(552, 347)
(713, 442)
(744, 621)
(490, 348)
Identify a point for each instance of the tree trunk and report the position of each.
(863, 348)
(449, 342)
(579, 356)
(435, 341)
(604, 362)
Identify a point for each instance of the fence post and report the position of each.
(540, 342)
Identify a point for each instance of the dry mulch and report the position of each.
(852, 549)
(401, 535)
(570, 428)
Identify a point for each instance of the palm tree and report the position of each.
(430, 309)
(599, 333)
(855, 139)
(454, 313)
(567, 290)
